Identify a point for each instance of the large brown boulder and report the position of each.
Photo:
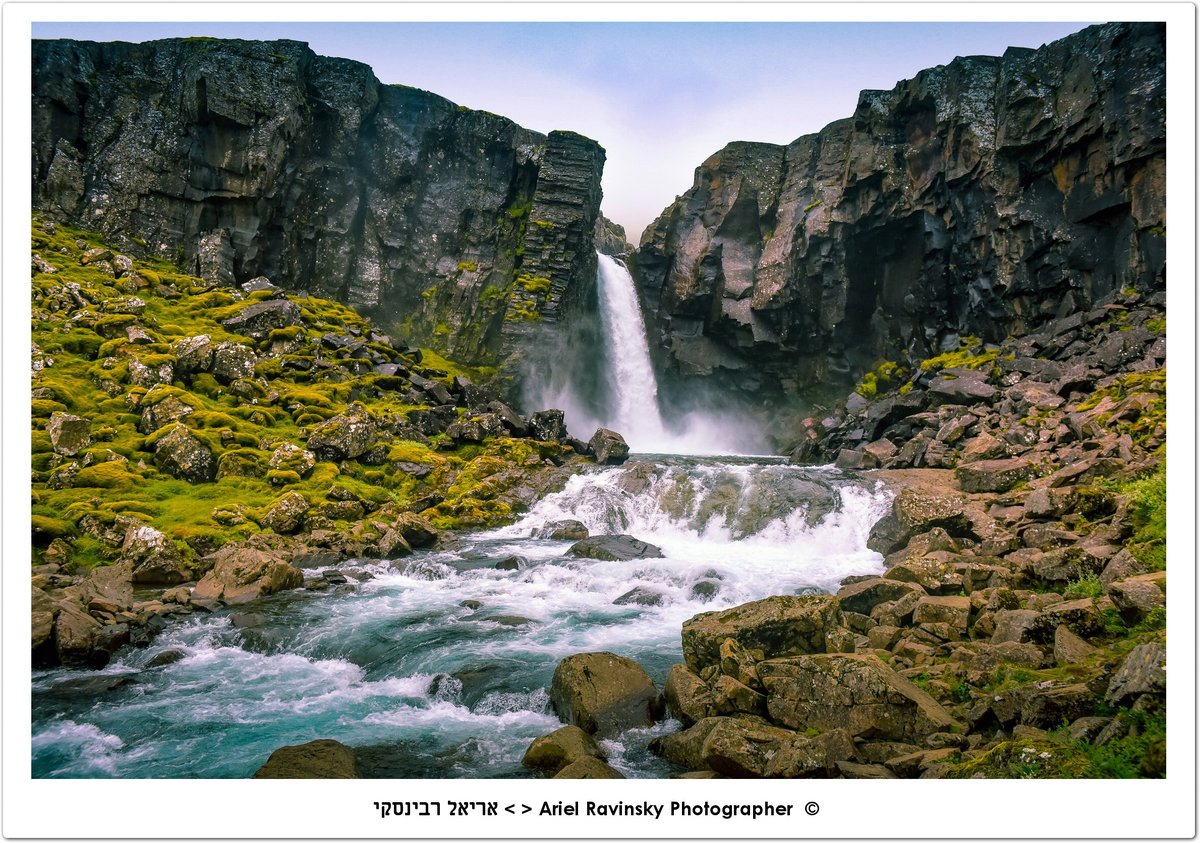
(323, 759)
(862, 597)
(609, 447)
(779, 626)
(43, 609)
(855, 692)
(994, 475)
(241, 574)
(604, 694)
(561, 748)
(75, 635)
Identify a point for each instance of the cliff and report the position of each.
(982, 198)
(236, 159)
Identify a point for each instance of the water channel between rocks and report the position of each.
(439, 663)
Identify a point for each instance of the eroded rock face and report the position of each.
(261, 158)
(978, 198)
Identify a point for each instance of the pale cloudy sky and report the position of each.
(659, 97)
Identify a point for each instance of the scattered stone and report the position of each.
(1069, 648)
(286, 514)
(345, 436)
(640, 596)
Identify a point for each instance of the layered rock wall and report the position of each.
(246, 158)
(980, 198)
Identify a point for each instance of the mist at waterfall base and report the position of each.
(627, 386)
(438, 664)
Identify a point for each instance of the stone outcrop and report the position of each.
(978, 198)
(246, 159)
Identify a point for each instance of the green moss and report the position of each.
(467, 266)
(970, 354)
(108, 475)
(1148, 507)
(46, 529)
(816, 203)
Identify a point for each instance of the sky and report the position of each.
(660, 97)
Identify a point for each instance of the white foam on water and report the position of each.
(89, 749)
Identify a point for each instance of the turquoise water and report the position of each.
(433, 688)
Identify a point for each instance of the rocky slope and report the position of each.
(235, 159)
(1018, 627)
(216, 440)
(982, 198)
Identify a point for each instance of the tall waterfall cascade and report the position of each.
(629, 402)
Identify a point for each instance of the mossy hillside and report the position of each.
(299, 381)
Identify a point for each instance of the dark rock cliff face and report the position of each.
(243, 158)
(980, 198)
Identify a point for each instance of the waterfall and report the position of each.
(632, 385)
(624, 395)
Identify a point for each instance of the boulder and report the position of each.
(604, 694)
(863, 597)
(547, 426)
(344, 437)
(1069, 648)
(182, 455)
(1014, 625)
(152, 558)
(994, 475)
(1136, 597)
(778, 626)
(286, 513)
(232, 361)
(258, 319)
(855, 692)
(160, 413)
(566, 530)
(75, 634)
(415, 529)
(609, 447)
(1048, 708)
(240, 575)
(640, 596)
(560, 748)
(749, 747)
(44, 608)
(69, 435)
(289, 457)
(1143, 672)
(193, 354)
(918, 510)
(961, 386)
(588, 768)
(322, 759)
(688, 698)
(614, 548)
(954, 611)
(113, 584)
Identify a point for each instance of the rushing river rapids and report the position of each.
(439, 663)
